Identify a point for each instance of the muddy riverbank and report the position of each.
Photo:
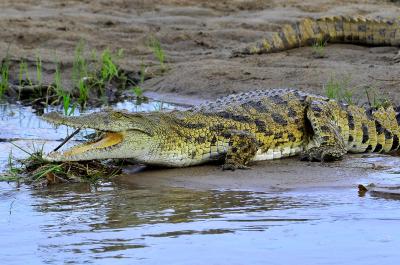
(279, 175)
(198, 37)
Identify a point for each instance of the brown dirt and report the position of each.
(198, 37)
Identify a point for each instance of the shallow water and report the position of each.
(114, 223)
(122, 223)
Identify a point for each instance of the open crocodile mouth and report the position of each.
(111, 127)
(103, 144)
(106, 140)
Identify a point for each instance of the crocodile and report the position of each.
(333, 29)
(235, 130)
(257, 125)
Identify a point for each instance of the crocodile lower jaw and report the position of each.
(103, 144)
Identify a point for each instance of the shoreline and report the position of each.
(269, 176)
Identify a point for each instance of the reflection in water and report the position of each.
(120, 223)
(107, 220)
(108, 207)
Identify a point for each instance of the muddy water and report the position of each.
(114, 223)
(123, 222)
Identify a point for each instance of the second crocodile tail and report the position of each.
(336, 29)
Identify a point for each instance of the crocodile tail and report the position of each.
(387, 124)
(336, 29)
(373, 130)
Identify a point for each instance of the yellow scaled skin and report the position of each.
(335, 29)
(238, 129)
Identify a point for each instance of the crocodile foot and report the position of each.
(319, 154)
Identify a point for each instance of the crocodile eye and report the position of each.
(122, 115)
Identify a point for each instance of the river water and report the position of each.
(119, 222)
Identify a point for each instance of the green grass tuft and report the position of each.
(69, 108)
(158, 52)
(90, 73)
(23, 75)
(338, 90)
(57, 81)
(13, 172)
(83, 92)
(376, 101)
(138, 90)
(34, 169)
(80, 73)
(318, 49)
(39, 70)
(4, 71)
(79, 64)
(64, 95)
(109, 69)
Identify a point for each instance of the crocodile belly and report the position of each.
(278, 152)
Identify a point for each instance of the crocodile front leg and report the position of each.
(242, 148)
(328, 144)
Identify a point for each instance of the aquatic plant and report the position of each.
(69, 108)
(12, 173)
(4, 71)
(138, 91)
